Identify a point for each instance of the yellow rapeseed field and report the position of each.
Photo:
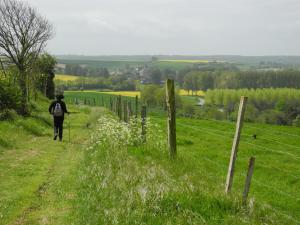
(65, 77)
(184, 93)
(124, 93)
(138, 93)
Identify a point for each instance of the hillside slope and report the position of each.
(107, 174)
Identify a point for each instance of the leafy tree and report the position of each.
(155, 76)
(45, 69)
(23, 35)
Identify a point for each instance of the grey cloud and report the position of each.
(250, 27)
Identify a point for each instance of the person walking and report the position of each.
(58, 109)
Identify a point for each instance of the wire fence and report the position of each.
(217, 133)
(262, 184)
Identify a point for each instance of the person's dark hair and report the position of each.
(59, 97)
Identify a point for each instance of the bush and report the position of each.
(32, 126)
(272, 117)
(154, 96)
(188, 109)
(296, 121)
(8, 114)
(10, 96)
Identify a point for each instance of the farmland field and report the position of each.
(110, 65)
(124, 93)
(115, 65)
(64, 77)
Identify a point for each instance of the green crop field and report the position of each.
(110, 65)
(92, 98)
(114, 65)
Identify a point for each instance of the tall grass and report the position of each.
(125, 181)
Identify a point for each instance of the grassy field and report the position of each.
(108, 175)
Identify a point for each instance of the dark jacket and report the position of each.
(63, 106)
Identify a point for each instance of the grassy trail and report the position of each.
(37, 174)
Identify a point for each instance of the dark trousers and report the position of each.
(58, 126)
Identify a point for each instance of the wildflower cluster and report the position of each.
(116, 134)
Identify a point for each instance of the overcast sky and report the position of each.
(195, 27)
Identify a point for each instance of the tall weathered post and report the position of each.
(235, 145)
(144, 119)
(171, 107)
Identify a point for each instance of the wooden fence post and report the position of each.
(120, 107)
(136, 106)
(125, 110)
(94, 102)
(144, 118)
(110, 104)
(248, 179)
(117, 106)
(235, 145)
(114, 105)
(170, 100)
(128, 111)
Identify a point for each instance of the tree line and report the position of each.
(274, 106)
(198, 80)
(84, 70)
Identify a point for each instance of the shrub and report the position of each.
(188, 109)
(10, 96)
(296, 121)
(8, 114)
(272, 117)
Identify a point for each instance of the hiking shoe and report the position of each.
(55, 137)
(60, 139)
